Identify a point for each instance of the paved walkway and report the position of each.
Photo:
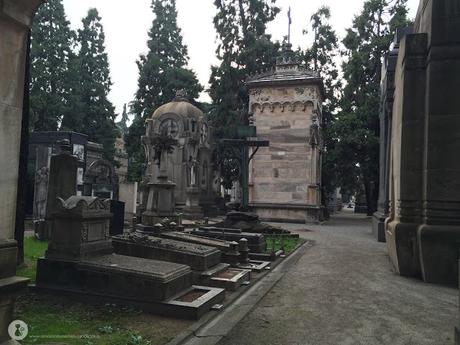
(343, 291)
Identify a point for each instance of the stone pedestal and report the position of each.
(192, 208)
(161, 203)
(15, 20)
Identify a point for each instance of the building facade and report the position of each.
(285, 178)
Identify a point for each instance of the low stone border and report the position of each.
(214, 326)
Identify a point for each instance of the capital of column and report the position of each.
(21, 12)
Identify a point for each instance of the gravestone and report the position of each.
(117, 222)
(79, 257)
(80, 261)
(101, 180)
(62, 183)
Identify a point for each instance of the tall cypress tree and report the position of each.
(51, 53)
(162, 72)
(358, 123)
(93, 114)
(244, 48)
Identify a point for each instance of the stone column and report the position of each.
(15, 21)
(406, 182)
(386, 115)
(439, 236)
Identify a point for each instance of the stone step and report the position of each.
(230, 279)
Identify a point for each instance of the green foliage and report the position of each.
(282, 242)
(243, 48)
(93, 114)
(75, 323)
(51, 55)
(357, 127)
(33, 249)
(162, 72)
(69, 90)
(320, 57)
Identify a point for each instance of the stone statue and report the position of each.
(41, 190)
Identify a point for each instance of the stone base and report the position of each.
(378, 226)
(115, 276)
(402, 246)
(10, 286)
(288, 213)
(438, 247)
(175, 307)
(150, 218)
(457, 336)
(198, 257)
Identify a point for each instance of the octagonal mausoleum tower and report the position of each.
(285, 178)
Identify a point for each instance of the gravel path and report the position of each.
(343, 291)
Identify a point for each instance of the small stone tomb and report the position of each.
(256, 241)
(197, 256)
(79, 261)
(205, 261)
(230, 253)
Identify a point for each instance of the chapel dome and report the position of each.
(181, 106)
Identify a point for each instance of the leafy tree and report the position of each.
(244, 48)
(357, 126)
(51, 55)
(321, 57)
(93, 114)
(162, 72)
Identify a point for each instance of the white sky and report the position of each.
(126, 28)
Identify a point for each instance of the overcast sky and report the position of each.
(126, 27)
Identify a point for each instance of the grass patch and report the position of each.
(59, 320)
(33, 249)
(278, 242)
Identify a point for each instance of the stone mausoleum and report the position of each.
(189, 165)
(285, 178)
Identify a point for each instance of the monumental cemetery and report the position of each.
(303, 190)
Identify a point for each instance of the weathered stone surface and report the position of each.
(256, 242)
(287, 109)
(15, 19)
(424, 225)
(198, 257)
(115, 275)
(189, 165)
